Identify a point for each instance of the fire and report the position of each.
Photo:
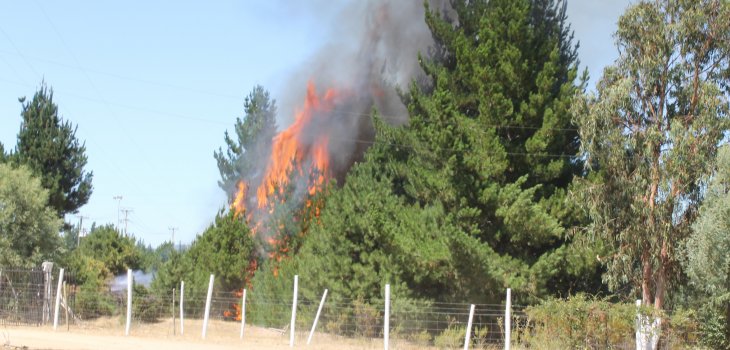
(239, 205)
(299, 153)
(290, 148)
(302, 149)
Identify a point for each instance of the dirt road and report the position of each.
(109, 335)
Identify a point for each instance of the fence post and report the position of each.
(58, 299)
(316, 318)
(508, 321)
(243, 312)
(65, 305)
(293, 312)
(467, 338)
(386, 323)
(207, 306)
(130, 283)
(182, 298)
(172, 310)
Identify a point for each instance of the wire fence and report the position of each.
(28, 297)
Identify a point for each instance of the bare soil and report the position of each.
(108, 334)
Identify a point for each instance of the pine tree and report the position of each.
(252, 141)
(471, 196)
(497, 118)
(48, 146)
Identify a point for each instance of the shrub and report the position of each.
(450, 338)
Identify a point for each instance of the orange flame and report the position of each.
(288, 148)
(301, 150)
(239, 204)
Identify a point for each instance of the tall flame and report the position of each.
(291, 147)
(302, 149)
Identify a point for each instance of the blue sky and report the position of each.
(153, 85)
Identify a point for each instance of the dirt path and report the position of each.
(109, 335)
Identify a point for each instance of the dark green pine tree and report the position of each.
(471, 196)
(252, 141)
(48, 146)
(498, 116)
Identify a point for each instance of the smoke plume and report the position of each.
(370, 58)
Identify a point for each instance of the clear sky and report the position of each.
(153, 85)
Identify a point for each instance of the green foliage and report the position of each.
(29, 229)
(146, 306)
(651, 134)
(3, 156)
(225, 249)
(451, 338)
(92, 300)
(707, 259)
(49, 147)
(113, 250)
(582, 322)
(271, 289)
(470, 196)
(252, 141)
(86, 269)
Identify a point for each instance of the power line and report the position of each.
(123, 77)
(21, 54)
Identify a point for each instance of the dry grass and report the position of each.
(108, 333)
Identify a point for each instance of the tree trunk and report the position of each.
(646, 277)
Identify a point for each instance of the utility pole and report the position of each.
(173, 229)
(81, 228)
(119, 203)
(126, 219)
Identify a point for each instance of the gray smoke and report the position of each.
(371, 58)
(119, 283)
(372, 53)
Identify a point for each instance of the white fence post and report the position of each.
(639, 334)
(467, 337)
(130, 284)
(182, 314)
(386, 321)
(508, 321)
(316, 318)
(243, 312)
(207, 306)
(293, 312)
(58, 299)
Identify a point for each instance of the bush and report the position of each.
(146, 307)
(581, 322)
(91, 301)
(451, 338)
